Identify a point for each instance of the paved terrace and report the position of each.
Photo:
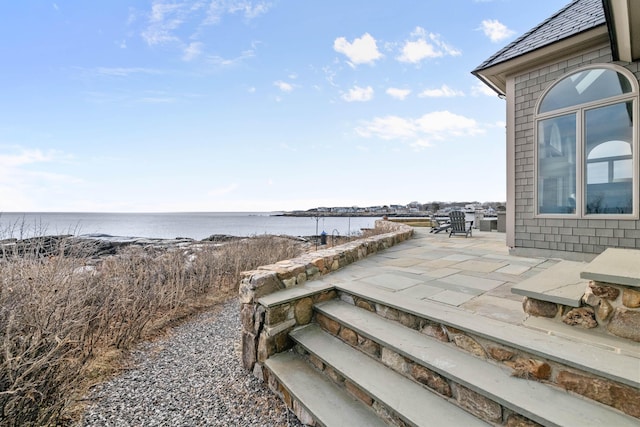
(475, 274)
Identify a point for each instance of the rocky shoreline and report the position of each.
(96, 246)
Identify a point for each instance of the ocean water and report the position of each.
(197, 225)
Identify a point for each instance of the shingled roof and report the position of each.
(576, 17)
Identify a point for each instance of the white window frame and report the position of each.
(581, 161)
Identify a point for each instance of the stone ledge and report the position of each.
(292, 294)
(616, 266)
(560, 284)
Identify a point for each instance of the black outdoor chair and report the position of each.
(459, 224)
(438, 225)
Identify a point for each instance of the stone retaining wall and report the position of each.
(265, 329)
(610, 307)
(522, 364)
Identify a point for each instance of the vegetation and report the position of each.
(67, 321)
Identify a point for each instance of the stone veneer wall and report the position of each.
(606, 306)
(522, 364)
(536, 235)
(265, 331)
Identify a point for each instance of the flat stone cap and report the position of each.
(616, 266)
(560, 284)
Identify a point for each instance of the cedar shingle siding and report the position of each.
(573, 235)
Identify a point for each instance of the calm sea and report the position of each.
(171, 225)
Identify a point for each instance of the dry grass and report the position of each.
(66, 324)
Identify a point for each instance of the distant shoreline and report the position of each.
(354, 214)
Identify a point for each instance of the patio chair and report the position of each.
(459, 224)
(438, 225)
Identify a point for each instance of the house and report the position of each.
(571, 86)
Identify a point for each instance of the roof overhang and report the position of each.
(623, 19)
(496, 75)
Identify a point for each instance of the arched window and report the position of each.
(586, 144)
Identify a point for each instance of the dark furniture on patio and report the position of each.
(438, 225)
(458, 222)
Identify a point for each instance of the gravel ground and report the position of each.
(194, 377)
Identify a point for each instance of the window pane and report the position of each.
(557, 165)
(597, 173)
(585, 86)
(609, 163)
(622, 169)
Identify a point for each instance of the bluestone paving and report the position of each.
(560, 284)
(391, 281)
(451, 297)
(615, 265)
(481, 266)
(420, 291)
(445, 282)
(472, 282)
(513, 269)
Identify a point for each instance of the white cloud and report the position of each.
(398, 93)
(357, 93)
(363, 50)
(192, 51)
(284, 86)
(443, 92)
(223, 191)
(166, 18)
(124, 72)
(389, 127)
(420, 132)
(482, 89)
(219, 61)
(22, 187)
(424, 46)
(25, 157)
(249, 9)
(495, 30)
(156, 100)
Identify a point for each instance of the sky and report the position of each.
(251, 105)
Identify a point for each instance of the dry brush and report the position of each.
(66, 321)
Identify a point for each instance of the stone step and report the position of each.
(620, 368)
(411, 402)
(320, 398)
(560, 284)
(534, 400)
(615, 265)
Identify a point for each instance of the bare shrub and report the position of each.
(61, 317)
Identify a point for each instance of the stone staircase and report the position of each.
(369, 358)
(351, 347)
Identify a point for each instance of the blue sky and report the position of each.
(242, 105)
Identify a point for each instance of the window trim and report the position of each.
(581, 160)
